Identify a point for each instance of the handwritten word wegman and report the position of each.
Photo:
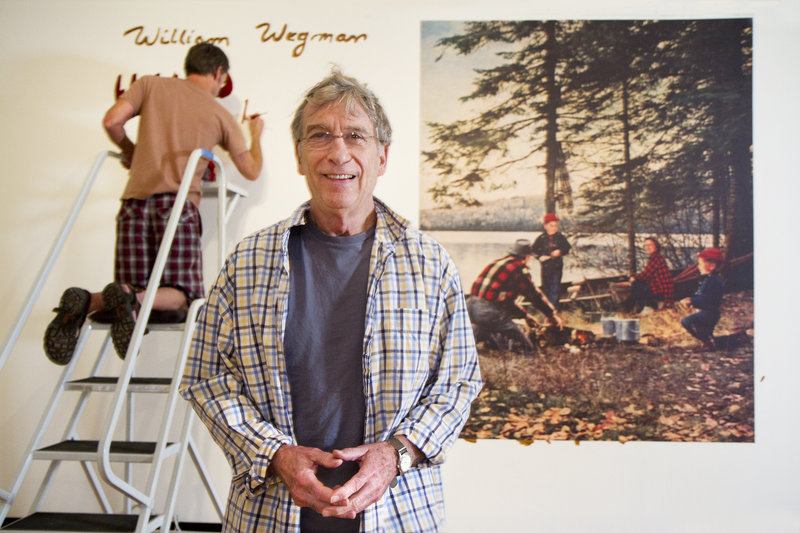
(302, 37)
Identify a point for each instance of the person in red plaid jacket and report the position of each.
(493, 301)
(652, 287)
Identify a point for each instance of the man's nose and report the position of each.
(338, 151)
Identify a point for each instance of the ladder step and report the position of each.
(180, 326)
(109, 384)
(86, 450)
(77, 522)
(197, 527)
(169, 320)
(91, 523)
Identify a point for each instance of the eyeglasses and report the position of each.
(320, 140)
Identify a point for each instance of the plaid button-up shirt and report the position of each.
(658, 278)
(420, 370)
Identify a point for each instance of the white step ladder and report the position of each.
(141, 513)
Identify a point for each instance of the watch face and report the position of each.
(405, 463)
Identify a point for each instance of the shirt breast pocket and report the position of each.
(406, 344)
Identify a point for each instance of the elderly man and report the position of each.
(335, 357)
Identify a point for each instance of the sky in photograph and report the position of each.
(445, 78)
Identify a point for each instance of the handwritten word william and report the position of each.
(170, 36)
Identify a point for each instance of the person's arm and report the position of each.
(662, 283)
(249, 162)
(708, 294)
(435, 422)
(564, 246)
(538, 249)
(533, 295)
(114, 124)
(648, 272)
(527, 288)
(214, 383)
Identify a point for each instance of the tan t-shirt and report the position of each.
(176, 117)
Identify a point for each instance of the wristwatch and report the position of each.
(403, 458)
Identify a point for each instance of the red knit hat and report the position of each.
(711, 254)
(550, 217)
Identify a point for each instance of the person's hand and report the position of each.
(297, 467)
(127, 153)
(556, 321)
(632, 279)
(555, 253)
(530, 321)
(544, 258)
(377, 468)
(256, 126)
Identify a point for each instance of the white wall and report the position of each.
(58, 65)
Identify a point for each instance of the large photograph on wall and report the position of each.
(593, 182)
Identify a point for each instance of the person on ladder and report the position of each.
(177, 116)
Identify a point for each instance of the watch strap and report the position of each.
(401, 451)
(403, 455)
(395, 442)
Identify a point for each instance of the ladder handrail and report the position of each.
(222, 219)
(104, 445)
(55, 250)
(155, 469)
(180, 363)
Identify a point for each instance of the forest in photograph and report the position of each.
(625, 129)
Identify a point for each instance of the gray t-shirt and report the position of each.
(324, 347)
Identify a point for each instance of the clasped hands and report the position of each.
(297, 467)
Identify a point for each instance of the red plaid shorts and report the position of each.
(140, 228)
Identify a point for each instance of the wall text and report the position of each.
(170, 36)
(301, 37)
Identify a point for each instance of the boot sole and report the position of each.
(121, 305)
(61, 335)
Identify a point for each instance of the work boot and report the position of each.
(124, 308)
(61, 335)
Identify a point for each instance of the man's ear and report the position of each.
(300, 169)
(383, 156)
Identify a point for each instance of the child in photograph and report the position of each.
(706, 299)
(549, 248)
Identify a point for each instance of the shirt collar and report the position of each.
(389, 227)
